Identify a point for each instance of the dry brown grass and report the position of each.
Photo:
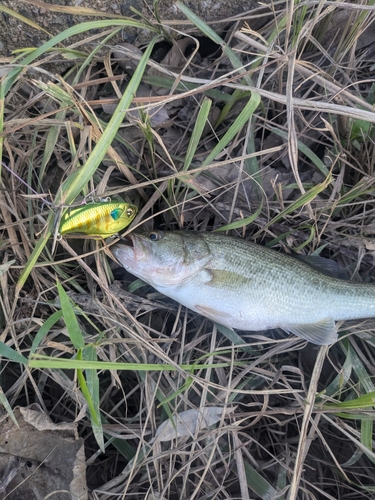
(302, 162)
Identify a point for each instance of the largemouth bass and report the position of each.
(243, 285)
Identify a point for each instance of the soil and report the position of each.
(54, 16)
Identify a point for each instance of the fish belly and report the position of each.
(264, 306)
(241, 309)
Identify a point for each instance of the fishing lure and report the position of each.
(101, 219)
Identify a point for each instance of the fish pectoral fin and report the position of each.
(322, 333)
(221, 277)
(213, 314)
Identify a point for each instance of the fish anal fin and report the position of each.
(322, 333)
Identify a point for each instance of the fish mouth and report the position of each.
(127, 241)
(123, 247)
(129, 248)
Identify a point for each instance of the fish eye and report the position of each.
(130, 211)
(155, 235)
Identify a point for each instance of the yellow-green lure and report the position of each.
(101, 219)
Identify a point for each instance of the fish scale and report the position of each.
(243, 285)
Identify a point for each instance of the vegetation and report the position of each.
(265, 131)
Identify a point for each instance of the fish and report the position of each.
(101, 219)
(243, 285)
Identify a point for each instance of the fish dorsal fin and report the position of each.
(328, 267)
(322, 333)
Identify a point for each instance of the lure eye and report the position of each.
(155, 235)
(130, 212)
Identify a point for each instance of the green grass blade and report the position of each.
(365, 379)
(197, 132)
(10, 353)
(301, 201)
(367, 427)
(252, 164)
(93, 388)
(241, 223)
(41, 243)
(366, 385)
(4, 401)
(44, 329)
(184, 387)
(258, 484)
(341, 380)
(305, 150)
(231, 335)
(76, 182)
(309, 239)
(74, 30)
(70, 319)
(357, 403)
(210, 33)
(237, 94)
(236, 126)
(2, 103)
(38, 361)
(86, 393)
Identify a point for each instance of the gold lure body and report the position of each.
(101, 219)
